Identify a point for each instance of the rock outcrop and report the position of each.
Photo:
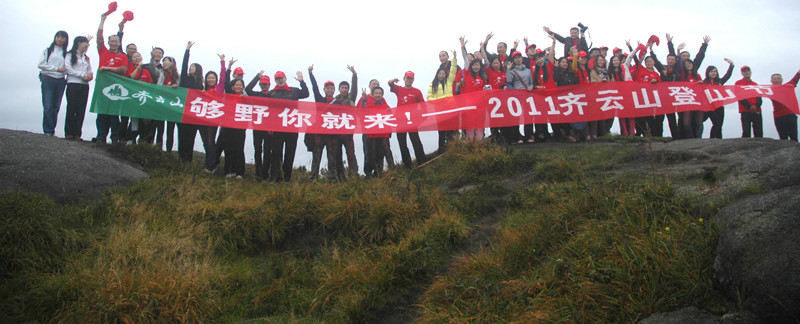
(64, 170)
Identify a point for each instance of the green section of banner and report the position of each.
(118, 95)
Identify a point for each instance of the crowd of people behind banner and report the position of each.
(70, 70)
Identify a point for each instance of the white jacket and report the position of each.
(50, 65)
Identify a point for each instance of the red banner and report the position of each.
(491, 108)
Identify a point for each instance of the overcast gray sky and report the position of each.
(384, 39)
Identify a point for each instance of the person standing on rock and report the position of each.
(785, 119)
(79, 73)
(113, 60)
(750, 109)
(53, 80)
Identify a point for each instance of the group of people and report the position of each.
(275, 151)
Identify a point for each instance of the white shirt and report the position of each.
(50, 65)
(76, 72)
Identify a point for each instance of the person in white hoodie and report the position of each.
(79, 73)
(53, 81)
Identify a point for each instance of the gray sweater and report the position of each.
(515, 81)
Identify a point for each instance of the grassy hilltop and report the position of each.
(485, 234)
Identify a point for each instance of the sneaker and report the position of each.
(520, 142)
(230, 175)
(238, 177)
(531, 140)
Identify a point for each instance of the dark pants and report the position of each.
(541, 131)
(262, 145)
(124, 124)
(335, 162)
(318, 143)
(208, 135)
(717, 117)
(692, 124)
(234, 150)
(379, 149)
(657, 126)
(77, 97)
(787, 127)
(170, 135)
(445, 137)
(282, 159)
(674, 129)
(52, 93)
(527, 131)
(752, 119)
(510, 134)
(186, 136)
(416, 143)
(105, 123)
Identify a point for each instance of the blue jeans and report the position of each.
(52, 93)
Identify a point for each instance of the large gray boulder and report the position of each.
(64, 170)
(758, 255)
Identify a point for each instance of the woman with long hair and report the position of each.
(213, 83)
(717, 115)
(496, 74)
(564, 76)
(692, 121)
(52, 76)
(474, 79)
(191, 78)
(79, 73)
(233, 140)
(442, 87)
(169, 77)
(597, 74)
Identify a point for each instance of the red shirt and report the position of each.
(583, 76)
(496, 79)
(779, 109)
(551, 82)
(143, 75)
(407, 96)
(645, 75)
(472, 83)
(111, 59)
(752, 101)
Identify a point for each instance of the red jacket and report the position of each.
(779, 109)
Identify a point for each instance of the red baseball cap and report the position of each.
(616, 49)
(264, 79)
(408, 74)
(582, 54)
(539, 50)
(515, 54)
(529, 46)
(280, 74)
(327, 83)
(745, 68)
(238, 70)
(603, 48)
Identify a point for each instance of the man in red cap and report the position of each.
(785, 119)
(284, 139)
(262, 140)
(408, 95)
(750, 109)
(572, 40)
(113, 60)
(315, 143)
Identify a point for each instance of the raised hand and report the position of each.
(310, 68)
(352, 69)
(546, 29)
(669, 38)
(463, 41)
(516, 43)
(231, 61)
(681, 46)
(89, 38)
(706, 39)
(728, 60)
(259, 74)
(189, 45)
(454, 53)
(525, 39)
(393, 81)
(299, 76)
(221, 57)
(488, 37)
(628, 42)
